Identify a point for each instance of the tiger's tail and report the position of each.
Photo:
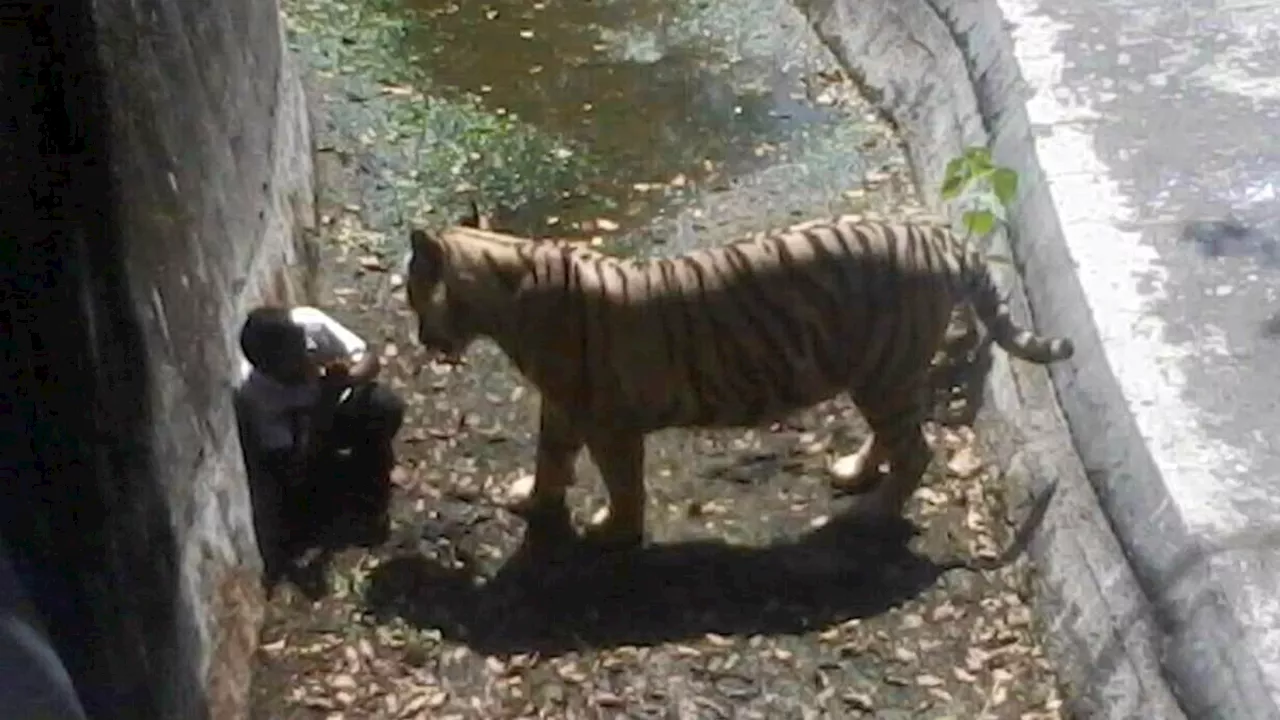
(993, 308)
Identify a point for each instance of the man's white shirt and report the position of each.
(270, 404)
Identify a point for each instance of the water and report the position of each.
(664, 99)
(631, 124)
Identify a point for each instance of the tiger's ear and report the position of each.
(475, 219)
(426, 247)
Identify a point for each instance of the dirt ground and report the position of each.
(754, 599)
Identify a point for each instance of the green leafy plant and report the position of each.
(985, 190)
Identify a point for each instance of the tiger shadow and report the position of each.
(550, 599)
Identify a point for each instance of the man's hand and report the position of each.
(334, 379)
(367, 368)
(336, 373)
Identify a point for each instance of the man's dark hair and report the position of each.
(266, 332)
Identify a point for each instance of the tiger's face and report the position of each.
(442, 325)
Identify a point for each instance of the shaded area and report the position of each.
(300, 529)
(551, 599)
(83, 513)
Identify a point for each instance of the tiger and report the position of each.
(737, 335)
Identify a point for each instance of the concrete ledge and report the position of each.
(945, 73)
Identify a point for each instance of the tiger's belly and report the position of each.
(725, 396)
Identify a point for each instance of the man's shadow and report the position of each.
(550, 597)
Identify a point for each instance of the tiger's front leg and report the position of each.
(619, 455)
(545, 509)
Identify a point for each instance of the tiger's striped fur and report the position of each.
(734, 335)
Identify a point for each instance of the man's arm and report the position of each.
(287, 463)
(342, 343)
(320, 419)
(339, 340)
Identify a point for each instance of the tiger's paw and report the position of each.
(548, 519)
(521, 499)
(608, 535)
(859, 472)
(851, 475)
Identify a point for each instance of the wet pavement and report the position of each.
(640, 127)
(1157, 131)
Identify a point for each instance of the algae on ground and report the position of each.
(433, 148)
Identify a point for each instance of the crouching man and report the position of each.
(309, 409)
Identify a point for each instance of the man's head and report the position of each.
(275, 345)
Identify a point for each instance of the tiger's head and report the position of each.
(450, 288)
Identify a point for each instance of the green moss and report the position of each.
(433, 147)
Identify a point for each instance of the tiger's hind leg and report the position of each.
(896, 419)
(620, 457)
(545, 508)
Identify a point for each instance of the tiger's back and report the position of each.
(750, 331)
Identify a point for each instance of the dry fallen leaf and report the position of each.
(372, 262)
(858, 701)
(600, 515)
(927, 680)
(606, 699)
(521, 488)
(718, 640)
(964, 463)
(571, 673)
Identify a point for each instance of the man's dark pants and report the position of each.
(349, 478)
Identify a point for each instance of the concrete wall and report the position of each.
(157, 176)
(943, 71)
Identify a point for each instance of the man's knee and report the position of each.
(388, 410)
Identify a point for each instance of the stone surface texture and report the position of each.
(160, 180)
